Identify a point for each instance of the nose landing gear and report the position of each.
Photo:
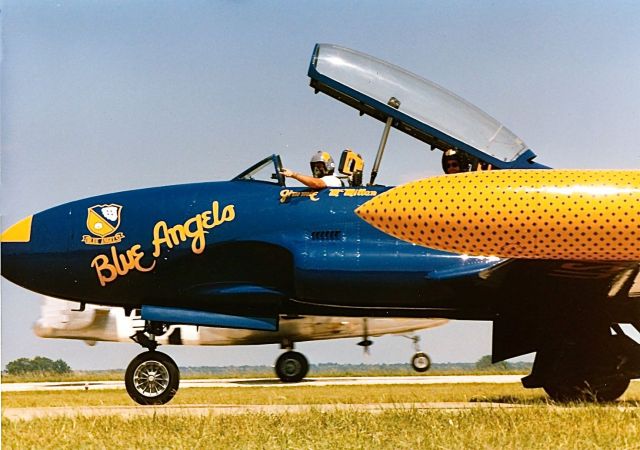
(152, 377)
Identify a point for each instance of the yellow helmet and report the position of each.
(322, 164)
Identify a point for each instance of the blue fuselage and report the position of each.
(225, 246)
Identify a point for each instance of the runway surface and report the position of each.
(205, 410)
(269, 382)
(225, 409)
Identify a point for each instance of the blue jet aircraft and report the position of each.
(242, 253)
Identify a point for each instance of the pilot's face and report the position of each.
(318, 169)
(452, 166)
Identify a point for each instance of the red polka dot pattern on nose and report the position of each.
(540, 214)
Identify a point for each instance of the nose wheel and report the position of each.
(291, 367)
(152, 378)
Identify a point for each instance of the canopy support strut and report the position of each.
(394, 103)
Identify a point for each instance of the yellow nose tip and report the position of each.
(18, 232)
(541, 214)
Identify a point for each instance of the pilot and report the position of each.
(322, 167)
(453, 161)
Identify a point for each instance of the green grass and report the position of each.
(290, 395)
(41, 377)
(537, 427)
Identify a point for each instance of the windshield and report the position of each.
(267, 170)
(449, 119)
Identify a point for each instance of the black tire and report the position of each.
(420, 362)
(152, 378)
(292, 367)
(605, 391)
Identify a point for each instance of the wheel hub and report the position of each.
(421, 362)
(151, 378)
(291, 367)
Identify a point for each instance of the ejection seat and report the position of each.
(351, 167)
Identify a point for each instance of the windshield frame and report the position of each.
(274, 160)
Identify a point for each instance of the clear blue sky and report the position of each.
(102, 96)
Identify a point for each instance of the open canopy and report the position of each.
(418, 107)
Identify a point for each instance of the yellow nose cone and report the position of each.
(18, 232)
(540, 214)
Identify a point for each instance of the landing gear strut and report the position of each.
(365, 343)
(420, 361)
(152, 378)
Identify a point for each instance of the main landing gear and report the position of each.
(596, 369)
(152, 377)
(291, 366)
(420, 361)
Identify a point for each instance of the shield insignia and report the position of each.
(103, 220)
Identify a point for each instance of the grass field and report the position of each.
(537, 427)
(539, 424)
(287, 395)
(292, 395)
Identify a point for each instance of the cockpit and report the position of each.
(469, 138)
(269, 170)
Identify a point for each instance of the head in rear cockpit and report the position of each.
(454, 161)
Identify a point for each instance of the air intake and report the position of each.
(331, 235)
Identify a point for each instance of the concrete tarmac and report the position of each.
(269, 382)
(205, 410)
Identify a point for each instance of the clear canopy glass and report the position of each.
(420, 99)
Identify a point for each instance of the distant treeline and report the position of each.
(482, 366)
(41, 365)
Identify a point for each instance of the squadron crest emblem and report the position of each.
(103, 221)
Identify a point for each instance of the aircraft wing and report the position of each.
(537, 296)
(61, 319)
